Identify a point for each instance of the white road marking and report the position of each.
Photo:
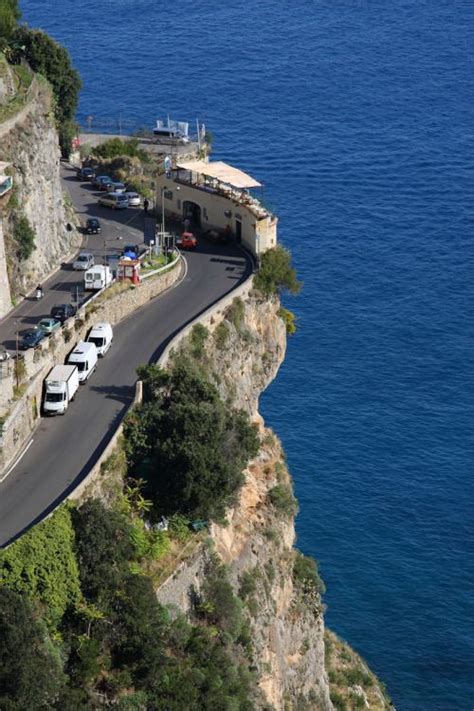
(17, 461)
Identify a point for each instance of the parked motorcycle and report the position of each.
(39, 292)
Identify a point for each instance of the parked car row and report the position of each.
(32, 337)
(62, 382)
(105, 183)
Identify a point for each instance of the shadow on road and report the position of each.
(123, 393)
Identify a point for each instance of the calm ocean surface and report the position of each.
(358, 117)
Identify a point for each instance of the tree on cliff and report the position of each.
(9, 16)
(187, 444)
(47, 57)
(276, 273)
(30, 676)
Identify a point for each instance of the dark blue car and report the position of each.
(31, 338)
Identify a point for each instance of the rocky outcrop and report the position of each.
(29, 141)
(243, 350)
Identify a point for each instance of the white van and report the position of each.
(97, 278)
(102, 335)
(116, 200)
(84, 356)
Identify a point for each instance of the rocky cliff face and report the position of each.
(300, 666)
(28, 140)
(243, 353)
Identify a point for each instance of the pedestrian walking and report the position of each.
(146, 205)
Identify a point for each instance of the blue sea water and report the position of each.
(359, 118)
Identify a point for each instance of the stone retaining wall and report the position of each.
(18, 426)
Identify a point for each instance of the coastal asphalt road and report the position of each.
(118, 228)
(64, 449)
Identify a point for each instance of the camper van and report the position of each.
(97, 278)
(84, 356)
(101, 334)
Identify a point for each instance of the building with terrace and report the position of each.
(215, 196)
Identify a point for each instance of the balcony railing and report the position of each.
(215, 187)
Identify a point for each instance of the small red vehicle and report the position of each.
(187, 241)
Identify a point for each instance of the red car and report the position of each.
(187, 241)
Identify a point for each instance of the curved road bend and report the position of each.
(65, 448)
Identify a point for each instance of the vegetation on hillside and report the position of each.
(188, 446)
(9, 16)
(50, 59)
(115, 147)
(80, 625)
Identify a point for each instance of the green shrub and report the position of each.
(221, 335)
(281, 497)
(9, 16)
(338, 701)
(306, 574)
(30, 676)
(276, 274)
(358, 676)
(236, 312)
(221, 606)
(198, 337)
(24, 236)
(50, 59)
(248, 583)
(178, 528)
(289, 320)
(117, 147)
(42, 565)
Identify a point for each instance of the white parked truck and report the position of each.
(97, 277)
(60, 386)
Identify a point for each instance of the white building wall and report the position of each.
(218, 211)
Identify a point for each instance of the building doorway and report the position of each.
(192, 213)
(238, 231)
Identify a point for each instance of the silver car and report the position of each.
(134, 199)
(83, 262)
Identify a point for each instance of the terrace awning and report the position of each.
(222, 172)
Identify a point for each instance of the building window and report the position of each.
(228, 213)
(204, 212)
(237, 216)
(178, 204)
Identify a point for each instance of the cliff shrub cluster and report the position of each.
(50, 59)
(9, 16)
(80, 626)
(24, 237)
(188, 446)
(117, 147)
(276, 273)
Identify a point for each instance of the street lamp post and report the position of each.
(163, 209)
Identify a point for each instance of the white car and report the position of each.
(118, 201)
(134, 199)
(84, 261)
